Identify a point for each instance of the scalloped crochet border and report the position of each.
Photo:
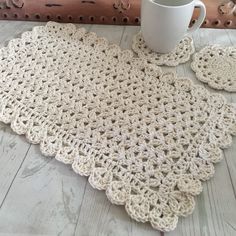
(62, 154)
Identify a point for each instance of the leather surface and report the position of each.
(220, 13)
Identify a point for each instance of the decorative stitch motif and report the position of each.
(181, 54)
(216, 66)
(145, 137)
(228, 8)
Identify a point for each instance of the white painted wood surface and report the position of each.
(40, 196)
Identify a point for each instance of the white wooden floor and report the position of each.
(40, 196)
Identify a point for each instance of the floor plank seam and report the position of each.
(230, 177)
(79, 211)
(15, 177)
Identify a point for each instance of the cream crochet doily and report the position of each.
(216, 66)
(145, 137)
(181, 53)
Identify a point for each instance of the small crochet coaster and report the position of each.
(216, 66)
(181, 53)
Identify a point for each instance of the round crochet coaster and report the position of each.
(145, 137)
(216, 66)
(181, 53)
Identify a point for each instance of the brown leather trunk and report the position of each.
(220, 13)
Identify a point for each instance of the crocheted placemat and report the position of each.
(181, 53)
(148, 138)
(216, 66)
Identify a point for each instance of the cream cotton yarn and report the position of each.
(145, 137)
(181, 53)
(216, 66)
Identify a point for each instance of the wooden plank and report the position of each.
(44, 199)
(232, 36)
(230, 153)
(129, 32)
(86, 26)
(110, 32)
(99, 217)
(13, 150)
(107, 219)
(13, 29)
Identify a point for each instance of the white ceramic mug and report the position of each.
(165, 22)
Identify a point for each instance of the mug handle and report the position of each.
(201, 18)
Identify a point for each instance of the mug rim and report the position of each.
(169, 6)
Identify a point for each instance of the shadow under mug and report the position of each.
(165, 22)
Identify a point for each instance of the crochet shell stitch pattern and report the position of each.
(181, 54)
(145, 137)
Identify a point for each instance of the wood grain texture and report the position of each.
(129, 32)
(230, 153)
(13, 150)
(44, 199)
(41, 196)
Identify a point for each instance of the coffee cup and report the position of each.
(165, 22)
